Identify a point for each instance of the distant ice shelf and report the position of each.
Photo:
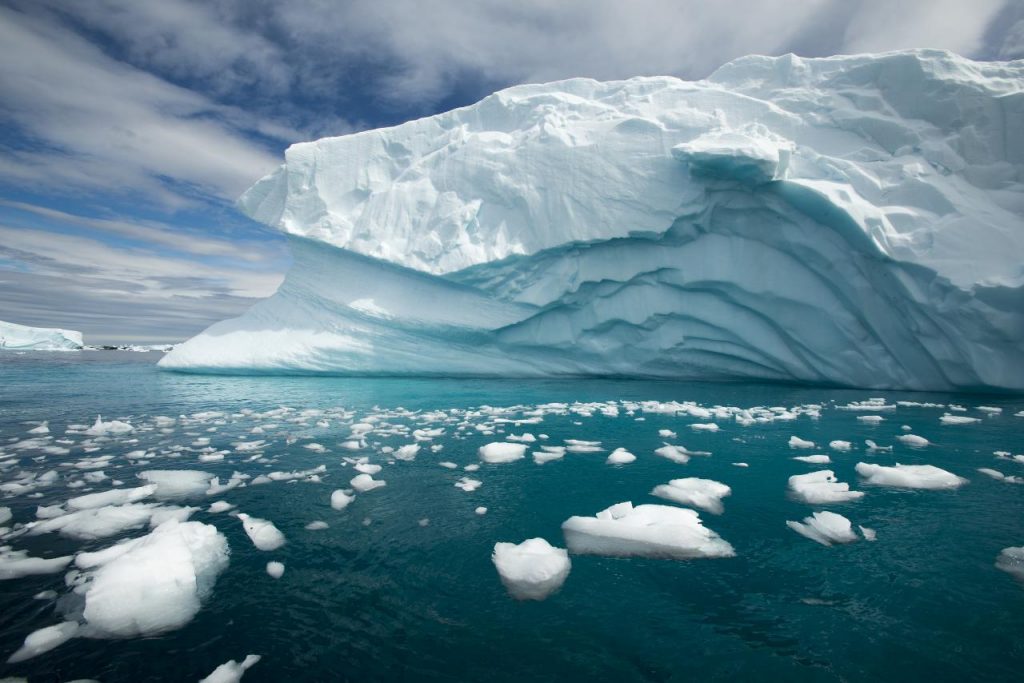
(853, 220)
(23, 338)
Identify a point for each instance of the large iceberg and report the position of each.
(23, 338)
(854, 220)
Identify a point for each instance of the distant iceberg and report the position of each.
(854, 220)
(24, 338)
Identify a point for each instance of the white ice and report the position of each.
(909, 476)
(821, 488)
(531, 570)
(705, 494)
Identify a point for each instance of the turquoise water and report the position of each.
(378, 596)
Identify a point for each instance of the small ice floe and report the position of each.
(797, 442)
(231, 671)
(909, 476)
(15, 564)
(948, 419)
(996, 474)
(525, 437)
(741, 464)
(869, 534)
(177, 484)
(1011, 561)
(467, 484)
(448, 465)
(219, 506)
(875, 448)
(679, 454)
(340, 499)
(913, 440)
(471, 468)
(825, 528)
(364, 482)
(316, 525)
(704, 427)
(110, 520)
(499, 452)
(215, 488)
(839, 445)
(705, 494)
(428, 434)
(112, 497)
(620, 456)
(315, 447)
(657, 531)
(873, 419)
(548, 453)
(44, 640)
(991, 410)
(367, 468)
(101, 428)
(275, 569)
(150, 585)
(814, 459)
(666, 434)
(481, 510)
(578, 446)
(407, 452)
(5, 515)
(821, 487)
(531, 570)
(262, 532)
(43, 428)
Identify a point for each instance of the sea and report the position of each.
(400, 585)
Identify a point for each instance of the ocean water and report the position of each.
(380, 596)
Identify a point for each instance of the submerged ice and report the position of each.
(851, 220)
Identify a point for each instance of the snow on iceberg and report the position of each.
(851, 220)
(659, 531)
(531, 570)
(24, 338)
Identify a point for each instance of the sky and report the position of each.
(128, 128)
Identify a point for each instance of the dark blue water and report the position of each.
(377, 596)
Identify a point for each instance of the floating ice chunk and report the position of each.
(5, 515)
(407, 452)
(367, 468)
(481, 510)
(471, 468)
(706, 494)
(262, 532)
(315, 447)
(909, 476)
(660, 531)
(666, 434)
(448, 465)
(43, 428)
(498, 452)
(364, 482)
(152, 584)
(820, 488)
(875, 448)
(316, 525)
(839, 445)
(797, 442)
(531, 570)
(1011, 560)
(101, 428)
(620, 456)
(705, 427)
(741, 464)
(275, 569)
(913, 440)
(14, 564)
(991, 410)
(825, 528)
(216, 488)
(219, 506)
(548, 453)
(948, 419)
(677, 454)
(101, 522)
(177, 484)
(996, 474)
(525, 437)
(814, 459)
(869, 534)
(44, 640)
(578, 446)
(467, 484)
(231, 671)
(112, 497)
(874, 419)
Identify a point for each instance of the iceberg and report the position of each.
(850, 220)
(531, 570)
(23, 338)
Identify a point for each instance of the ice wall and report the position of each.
(24, 338)
(849, 220)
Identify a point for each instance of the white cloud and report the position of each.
(957, 25)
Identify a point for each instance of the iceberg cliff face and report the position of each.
(24, 338)
(850, 220)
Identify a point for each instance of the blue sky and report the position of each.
(130, 127)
